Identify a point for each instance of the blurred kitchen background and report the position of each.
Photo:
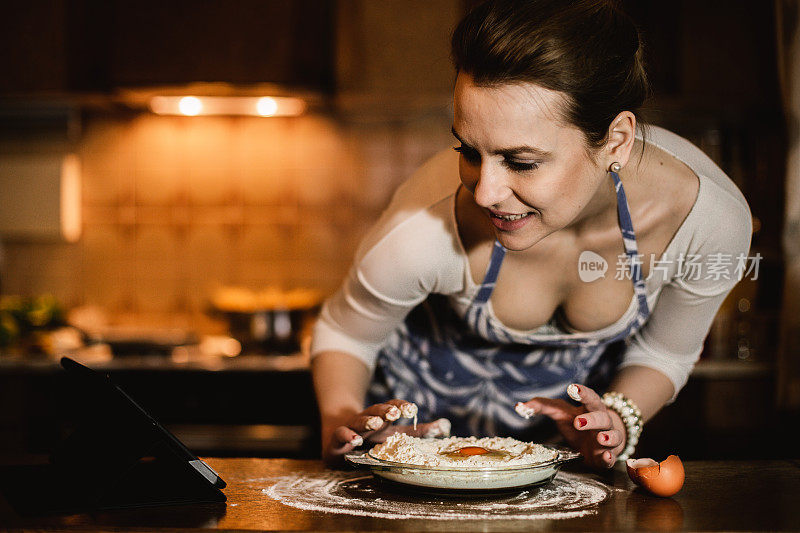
(183, 245)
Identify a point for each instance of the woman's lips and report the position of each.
(509, 221)
(503, 213)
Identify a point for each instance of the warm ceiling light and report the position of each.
(190, 106)
(265, 106)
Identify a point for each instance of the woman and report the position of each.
(494, 279)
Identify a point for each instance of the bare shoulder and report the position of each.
(664, 190)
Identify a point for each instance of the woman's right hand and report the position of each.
(374, 424)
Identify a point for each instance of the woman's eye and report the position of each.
(473, 157)
(520, 167)
(470, 154)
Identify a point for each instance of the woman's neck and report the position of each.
(602, 208)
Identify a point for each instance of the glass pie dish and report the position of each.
(464, 480)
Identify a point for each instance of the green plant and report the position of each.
(21, 316)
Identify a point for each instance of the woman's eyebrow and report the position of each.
(524, 149)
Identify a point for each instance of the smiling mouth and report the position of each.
(510, 217)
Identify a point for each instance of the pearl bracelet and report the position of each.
(631, 417)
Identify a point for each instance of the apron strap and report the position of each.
(487, 285)
(631, 247)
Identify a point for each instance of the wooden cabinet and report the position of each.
(33, 42)
(246, 41)
(97, 46)
(395, 53)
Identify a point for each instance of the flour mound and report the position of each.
(505, 452)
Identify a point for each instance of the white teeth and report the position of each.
(511, 217)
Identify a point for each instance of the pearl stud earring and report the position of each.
(615, 167)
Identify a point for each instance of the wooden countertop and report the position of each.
(717, 496)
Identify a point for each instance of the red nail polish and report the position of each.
(582, 422)
(605, 437)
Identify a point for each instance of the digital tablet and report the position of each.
(119, 457)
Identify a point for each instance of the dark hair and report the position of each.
(589, 50)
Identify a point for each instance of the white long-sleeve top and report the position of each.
(414, 250)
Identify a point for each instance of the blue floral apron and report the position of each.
(473, 371)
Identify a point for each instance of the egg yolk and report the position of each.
(472, 450)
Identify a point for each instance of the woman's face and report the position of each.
(527, 170)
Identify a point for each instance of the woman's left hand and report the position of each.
(591, 428)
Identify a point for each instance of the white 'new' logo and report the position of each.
(591, 266)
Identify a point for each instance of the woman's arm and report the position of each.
(649, 389)
(340, 382)
(409, 253)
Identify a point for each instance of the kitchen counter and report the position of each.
(717, 496)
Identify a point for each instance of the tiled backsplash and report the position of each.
(177, 206)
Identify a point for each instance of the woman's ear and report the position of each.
(621, 136)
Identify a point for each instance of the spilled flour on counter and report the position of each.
(359, 494)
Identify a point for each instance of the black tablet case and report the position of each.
(120, 457)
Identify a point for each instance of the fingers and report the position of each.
(379, 416)
(344, 440)
(366, 423)
(598, 419)
(524, 410)
(597, 437)
(610, 439)
(374, 422)
(588, 397)
(600, 458)
(556, 409)
(407, 409)
(386, 411)
(593, 420)
(600, 424)
(574, 392)
(607, 458)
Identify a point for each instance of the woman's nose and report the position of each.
(491, 188)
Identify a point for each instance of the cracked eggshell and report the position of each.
(662, 479)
